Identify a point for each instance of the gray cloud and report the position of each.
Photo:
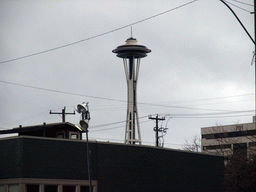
(199, 52)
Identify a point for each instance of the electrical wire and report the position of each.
(106, 129)
(238, 21)
(238, 7)
(220, 113)
(63, 92)
(216, 98)
(221, 102)
(167, 122)
(242, 3)
(103, 125)
(27, 118)
(181, 107)
(206, 114)
(109, 99)
(198, 102)
(99, 35)
(210, 117)
(171, 116)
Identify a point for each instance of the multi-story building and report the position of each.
(53, 158)
(230, 140)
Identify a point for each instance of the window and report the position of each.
(1, 188)
(229, 134)
(210, 147)
(240, 146)
(13, 188)
(69, 188)
(74, 136)
(84, 188)
(208, 136)
(240, 151)
(252, 144)
(50, 188)
(60, 135)
(32, 188)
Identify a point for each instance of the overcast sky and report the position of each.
(199, 73)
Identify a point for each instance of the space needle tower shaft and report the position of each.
(131, 53)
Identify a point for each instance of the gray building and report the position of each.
(229, 140)
(39, 161)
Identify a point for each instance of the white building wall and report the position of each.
(221, 139)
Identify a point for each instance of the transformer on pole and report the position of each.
(131, 52)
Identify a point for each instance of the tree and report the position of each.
(240, 176)
(239, 152)
(193, 144)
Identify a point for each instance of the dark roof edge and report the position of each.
(110, 143)
(17, 129)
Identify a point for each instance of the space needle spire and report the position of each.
(131, 53)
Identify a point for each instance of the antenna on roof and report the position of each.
(131, 31)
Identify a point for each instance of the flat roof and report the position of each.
(43, 126)
(109, 143)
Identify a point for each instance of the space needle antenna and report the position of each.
(131, 53)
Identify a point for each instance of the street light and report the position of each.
(83, 109)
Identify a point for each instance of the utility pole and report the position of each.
(255, 52)
(63, 113)
(156, 129)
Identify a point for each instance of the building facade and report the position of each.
(52, 164)
(230, 140)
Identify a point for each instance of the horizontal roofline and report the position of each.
(108, 143)
(38, 127)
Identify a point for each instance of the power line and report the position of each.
(209, 103)
(243, 3)
(99, 35)
(172, 116)
(63, 92)
(118, 127)
(109, 99)
(207, 117)
(26, 118)
(215, 98)
(238, 21)
(103, 125)
(238, 7)
(209, 114)
(181, 107)
(196, 101)
(115, 107)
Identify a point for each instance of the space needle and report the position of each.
(132, 52)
